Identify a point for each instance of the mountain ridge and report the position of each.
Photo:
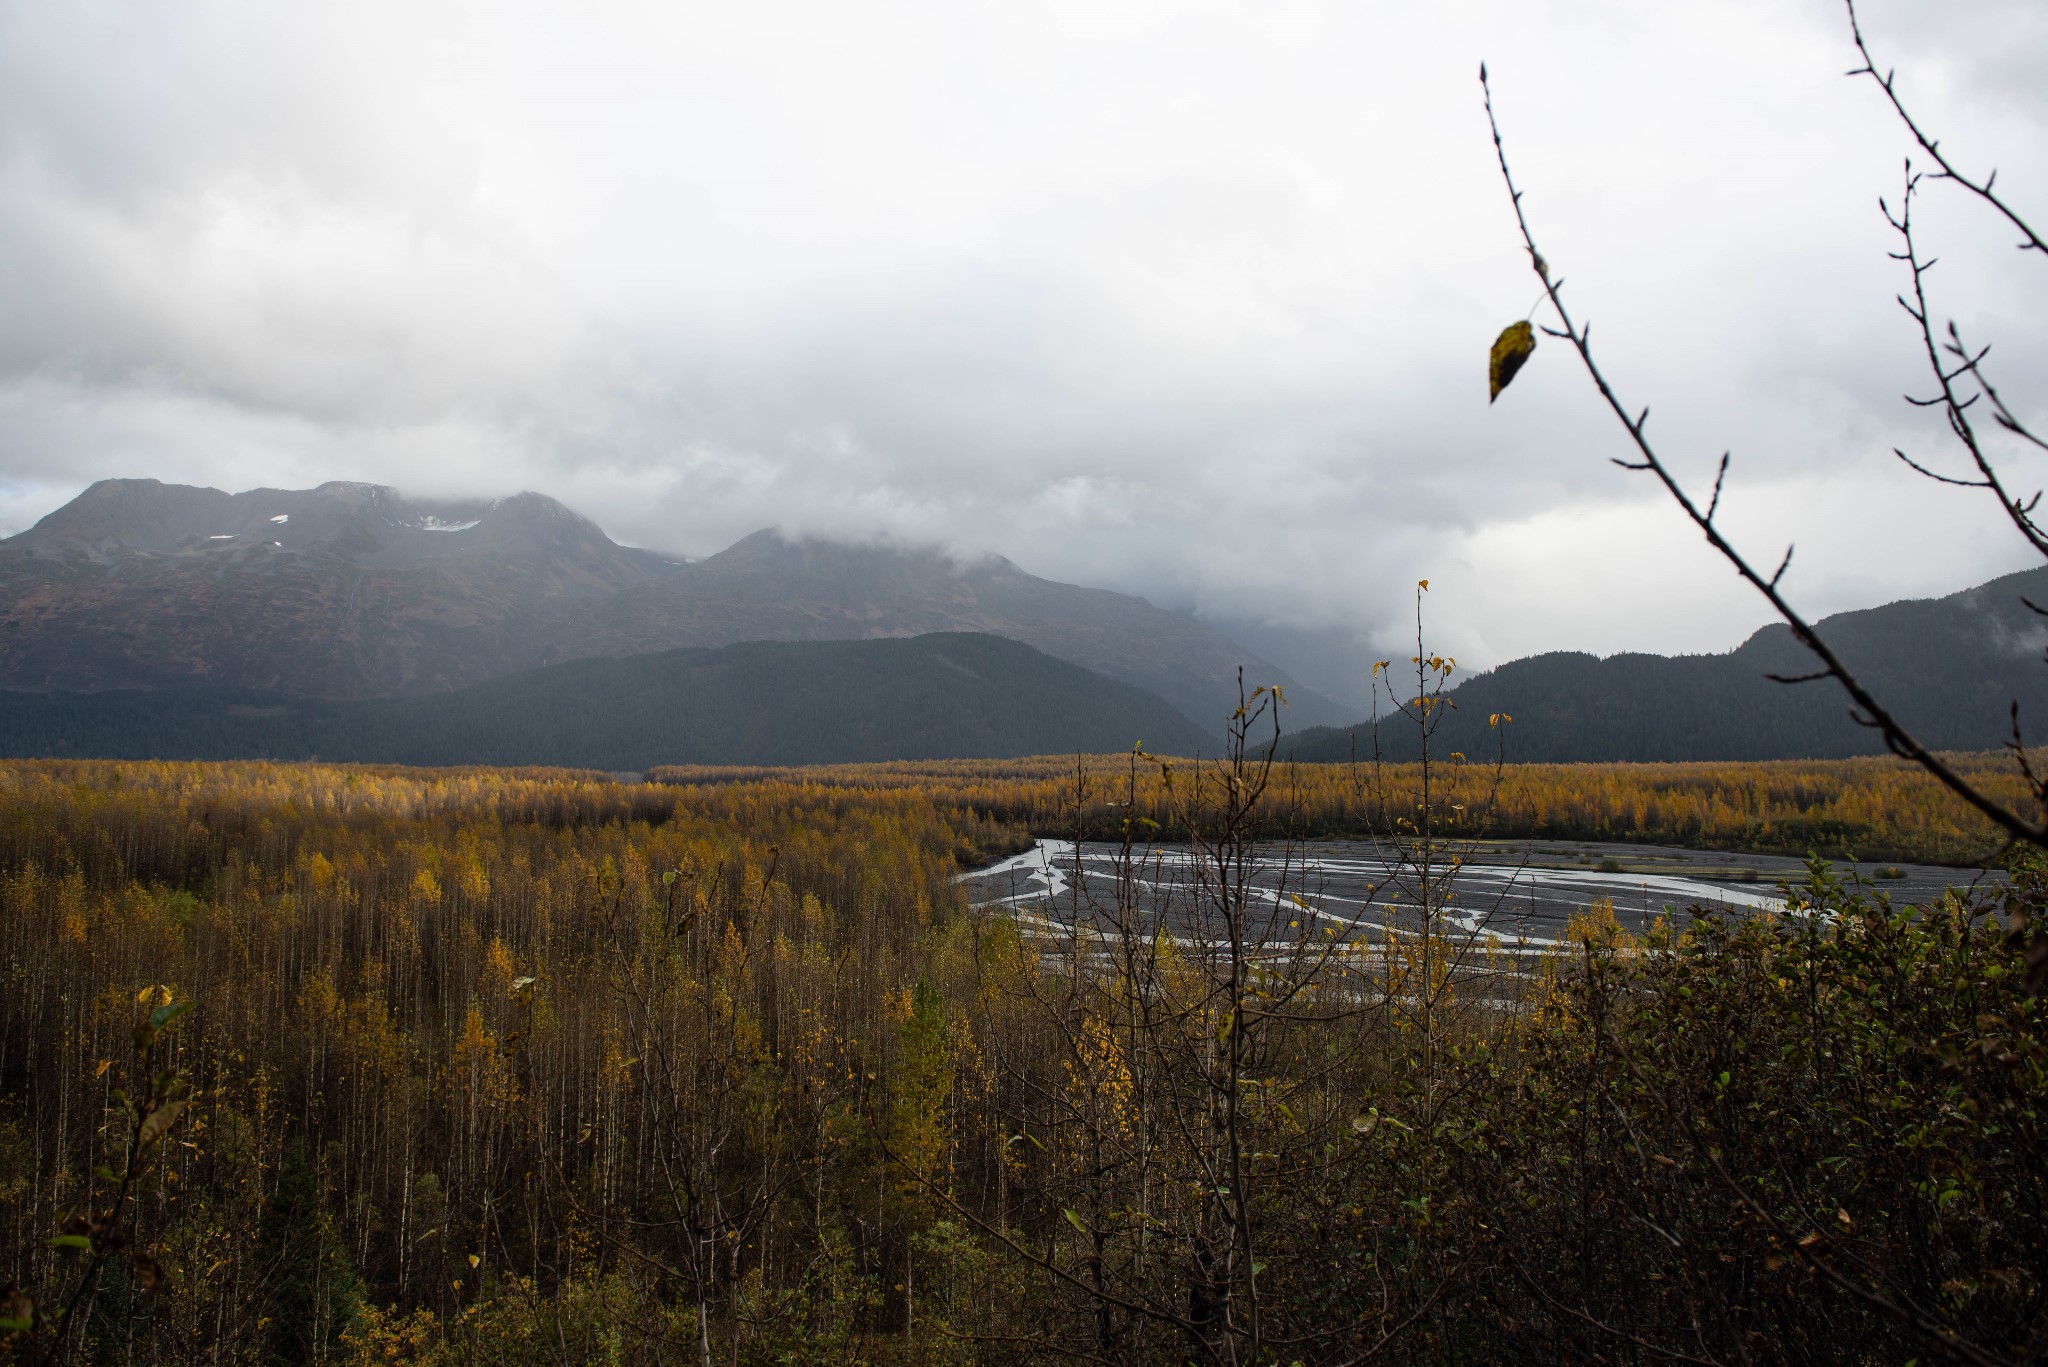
(949, 695)
(1949, 668)
(354, 590)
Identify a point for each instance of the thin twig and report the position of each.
(1897, 738)
(1954, 404)
(1932, 147)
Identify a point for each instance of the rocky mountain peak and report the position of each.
(356, 522)
(355, 590)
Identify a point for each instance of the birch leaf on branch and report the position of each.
(1511, 350)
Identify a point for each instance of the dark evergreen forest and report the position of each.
(940, 696)
(1951, 669)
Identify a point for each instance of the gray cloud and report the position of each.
(1184, 300)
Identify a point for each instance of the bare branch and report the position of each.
(1932, 147)
(1783, 565)
(1940, 478)
(1955, 404)
(1896, 736)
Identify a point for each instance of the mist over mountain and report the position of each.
(352, 591)
(1949, 668)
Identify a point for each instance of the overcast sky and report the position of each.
(1186, 299)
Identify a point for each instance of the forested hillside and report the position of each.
(1951, 669)
(927, 697)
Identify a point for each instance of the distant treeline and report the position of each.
(1870, 808)
(934, 696)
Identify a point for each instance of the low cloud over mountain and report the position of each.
(354, 591)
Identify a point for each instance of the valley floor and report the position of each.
(1524, 892)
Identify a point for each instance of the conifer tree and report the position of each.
(313, 1293)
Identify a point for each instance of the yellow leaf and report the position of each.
(157, 1121)
(1515, 345)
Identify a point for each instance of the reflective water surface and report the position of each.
(1519, 890)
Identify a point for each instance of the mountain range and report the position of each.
(350, 621)
(1950, 669)
(354, 591)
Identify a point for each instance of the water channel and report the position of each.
(1522, 891)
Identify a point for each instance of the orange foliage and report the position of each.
(1875, 808)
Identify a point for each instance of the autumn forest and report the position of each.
(309, 1063)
